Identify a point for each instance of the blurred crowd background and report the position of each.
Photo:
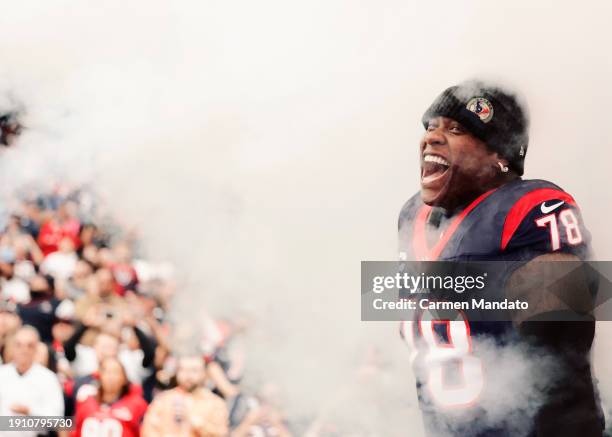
(85, 332)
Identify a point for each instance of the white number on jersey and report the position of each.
(439, 356)
(93, 427)
(570, 224)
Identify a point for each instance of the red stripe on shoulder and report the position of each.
(521, 208)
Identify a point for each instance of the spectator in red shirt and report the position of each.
(62, 224)
(113, 407)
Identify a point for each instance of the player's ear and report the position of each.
(500, 163)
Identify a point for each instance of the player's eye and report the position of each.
(431, 127)
(457, 129)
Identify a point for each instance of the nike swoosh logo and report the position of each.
(548, 208)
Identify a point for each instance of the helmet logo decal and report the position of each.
(482, 108)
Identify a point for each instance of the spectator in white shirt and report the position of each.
(27, 388)
(61, 264)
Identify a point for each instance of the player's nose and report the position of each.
(434, 136)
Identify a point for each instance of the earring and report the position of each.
(502, 167)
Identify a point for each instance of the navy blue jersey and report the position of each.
(515, 223)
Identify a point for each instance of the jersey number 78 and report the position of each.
(438, 358)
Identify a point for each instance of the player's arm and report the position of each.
(560, 329)
(558, 324)
(555, 286)
(548, 240)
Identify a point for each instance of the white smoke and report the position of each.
(503, 366)
(265, 148)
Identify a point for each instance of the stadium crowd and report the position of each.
(85, 332)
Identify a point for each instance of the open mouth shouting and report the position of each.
(434, 171)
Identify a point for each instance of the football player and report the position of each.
(474, 205)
